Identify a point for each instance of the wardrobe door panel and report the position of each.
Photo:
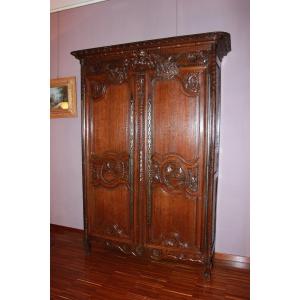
(176, 158)
(110, 197)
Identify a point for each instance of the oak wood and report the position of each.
(150, 132)
(109, 275)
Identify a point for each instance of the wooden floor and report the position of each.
(106, 275)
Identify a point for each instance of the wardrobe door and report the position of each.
(110, 107)
(175, 155)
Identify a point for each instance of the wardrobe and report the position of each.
(150, 146)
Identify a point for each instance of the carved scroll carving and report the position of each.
(158, 254)
(110, 169)
(175, 174)
(173, 239)
(115, 230)
(125, 248)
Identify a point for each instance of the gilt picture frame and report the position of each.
(63, 102)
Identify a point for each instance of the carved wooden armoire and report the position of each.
(150, 145)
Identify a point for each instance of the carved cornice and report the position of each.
(223, 47)
(220, 39)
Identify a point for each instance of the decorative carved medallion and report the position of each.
(98, 89)
(191, 82)
(175, 174)
(110, 169)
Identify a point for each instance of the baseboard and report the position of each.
(229, 259)
(236, 261)
(60, 228)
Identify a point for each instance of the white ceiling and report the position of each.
(58, 5)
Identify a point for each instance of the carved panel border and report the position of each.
(222, 39)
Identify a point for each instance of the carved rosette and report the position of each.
(175, 174)
(110, 169)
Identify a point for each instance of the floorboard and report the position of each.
(110, 275)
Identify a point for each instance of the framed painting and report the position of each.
(63, 97)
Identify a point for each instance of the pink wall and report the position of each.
(116, 21)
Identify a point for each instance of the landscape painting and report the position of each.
(63, 97)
